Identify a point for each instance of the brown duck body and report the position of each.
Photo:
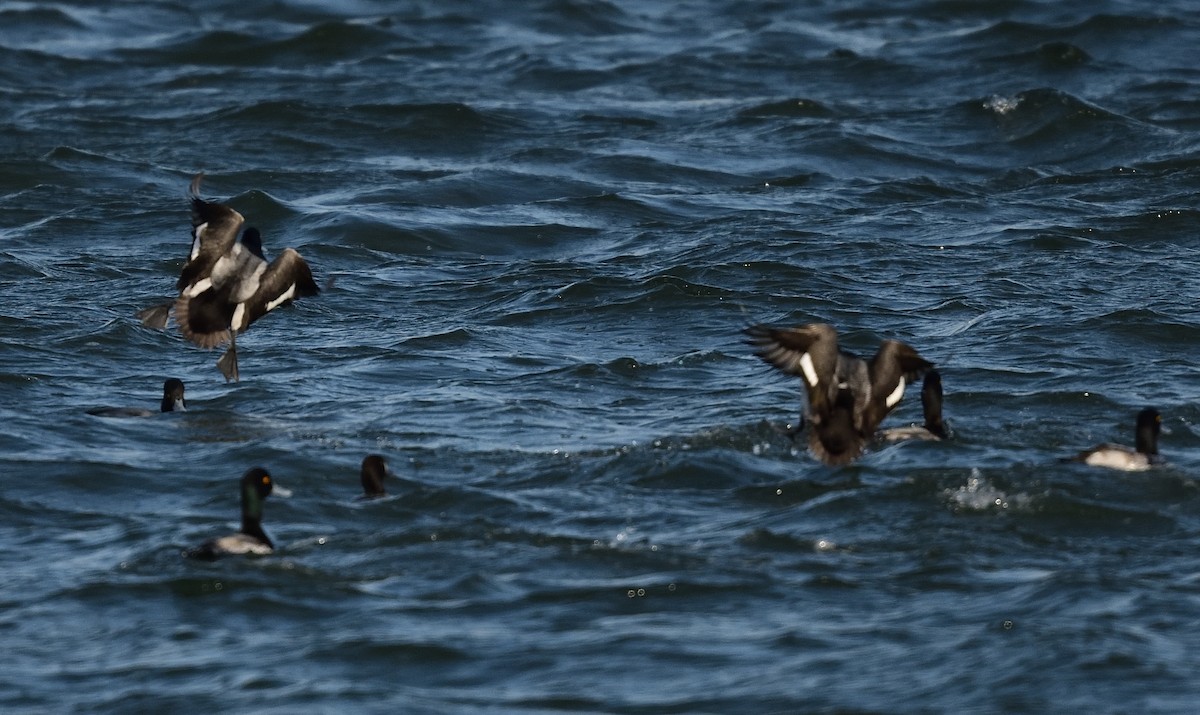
(847, 396)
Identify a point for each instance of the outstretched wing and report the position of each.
(286, 279)
(214, 231)
(894, 366)
(808, 351)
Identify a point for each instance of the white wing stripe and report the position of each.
(283, 298)
(893, 398)
(810, 373)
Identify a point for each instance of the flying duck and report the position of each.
(374, 469)
(1142, 457)
(250, 539)
(227, 283)
(931, 405)
(847, 396)
(172, 401)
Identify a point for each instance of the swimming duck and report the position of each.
(227, 283)
(1142, 457)
(847, 396)
(250, 539)
(931, 405)
(374, 469)
(172, 401)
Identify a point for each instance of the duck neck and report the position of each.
(252, 515)
(1146, 442)
(372, 486)
(935, 426)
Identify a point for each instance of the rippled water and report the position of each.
(540, 228)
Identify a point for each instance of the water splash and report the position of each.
(1002, 105)
(980, 495)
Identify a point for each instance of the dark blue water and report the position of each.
(541, 227)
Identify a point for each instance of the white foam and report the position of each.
(979, 494)
(1002, 105)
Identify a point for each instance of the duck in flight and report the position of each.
(847, 396)
(227, 283)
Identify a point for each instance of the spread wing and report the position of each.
(808, 351)
(894, 366)
(214, 231)
(286, 279)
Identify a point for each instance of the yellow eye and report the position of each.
(266, 481)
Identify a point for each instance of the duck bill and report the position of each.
(279, 491)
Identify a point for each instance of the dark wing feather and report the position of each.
(782, 348)
(214, 231)
(892, 362)
(288, 278)
(204, 319)
(785, 350)
(155, 316)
